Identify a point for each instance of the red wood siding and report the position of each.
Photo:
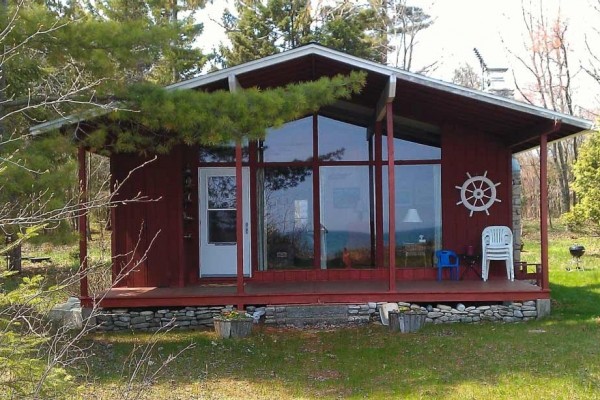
(157, 220)
(473, 152)
(191, 246)
(174, 260)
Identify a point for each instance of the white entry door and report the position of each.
(218, 216)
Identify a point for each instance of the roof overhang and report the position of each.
(421, 105)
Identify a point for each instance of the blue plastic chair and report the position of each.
(447, 259)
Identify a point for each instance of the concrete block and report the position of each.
(542, 307)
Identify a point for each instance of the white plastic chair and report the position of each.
(497, 244)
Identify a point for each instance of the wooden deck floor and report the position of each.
(256, 293)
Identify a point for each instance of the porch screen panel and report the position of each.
(345, 217)
(418, 214)
(287, 210)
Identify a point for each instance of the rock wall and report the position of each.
(148, 320)
(314, 315)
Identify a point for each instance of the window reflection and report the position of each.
(288, 217)
(291, 142)
(347, 238)
(348, 142)
(418, 214)
(221, 209)
(405, 150)
(222, 153)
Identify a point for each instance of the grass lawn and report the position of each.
(556, 358)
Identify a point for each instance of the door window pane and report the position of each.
(221, 192)
(288, 218)
(221, 210)
(347, 237)
(221, 226)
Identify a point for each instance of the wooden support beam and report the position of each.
(534, 133)
(544, 201)
(391, 197)
(387, 96)
(379, 254)
(82, 221)
(544, 209)
(234, 83)
(239, 205)
(319, 262)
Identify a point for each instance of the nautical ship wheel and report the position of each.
(478, 193)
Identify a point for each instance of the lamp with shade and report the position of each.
(412, 217)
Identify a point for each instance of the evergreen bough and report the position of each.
(153, 119)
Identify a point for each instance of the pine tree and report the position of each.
(259, 28)
(60, 58)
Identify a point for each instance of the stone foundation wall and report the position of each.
(326, 314)
(148, 320)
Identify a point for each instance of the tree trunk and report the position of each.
(14, 254)
(562, 169)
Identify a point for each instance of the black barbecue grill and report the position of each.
(576, 251)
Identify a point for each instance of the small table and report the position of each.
(470, 261)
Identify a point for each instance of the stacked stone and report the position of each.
(275, 315)
(202, 317)
(361, 313)
(146, 320)
(512, 312)
(338, 314)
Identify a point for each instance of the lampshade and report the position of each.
(412, 215)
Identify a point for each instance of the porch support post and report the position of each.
(544, 202)
(239, 195)
(544, 208)
(391, 197)
(82, 221)
(379, 254)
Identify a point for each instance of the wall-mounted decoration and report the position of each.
(478, 193)
(188, 189)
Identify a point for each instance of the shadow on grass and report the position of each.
(575, 302)
(531, 360)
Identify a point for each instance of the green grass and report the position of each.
(555, 358)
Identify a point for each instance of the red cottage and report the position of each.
(344, 206)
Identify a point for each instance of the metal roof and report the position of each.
(422, 105)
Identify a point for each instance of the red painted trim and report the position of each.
(263, 164)
(316, 194)
(391, 196)
(178, 222)
(378, 195)
(190, 299)
(83, 256)
(372, 230)
(239, 196)
(417, 162)
(219, 164)
(253, 149)
(544, 209)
